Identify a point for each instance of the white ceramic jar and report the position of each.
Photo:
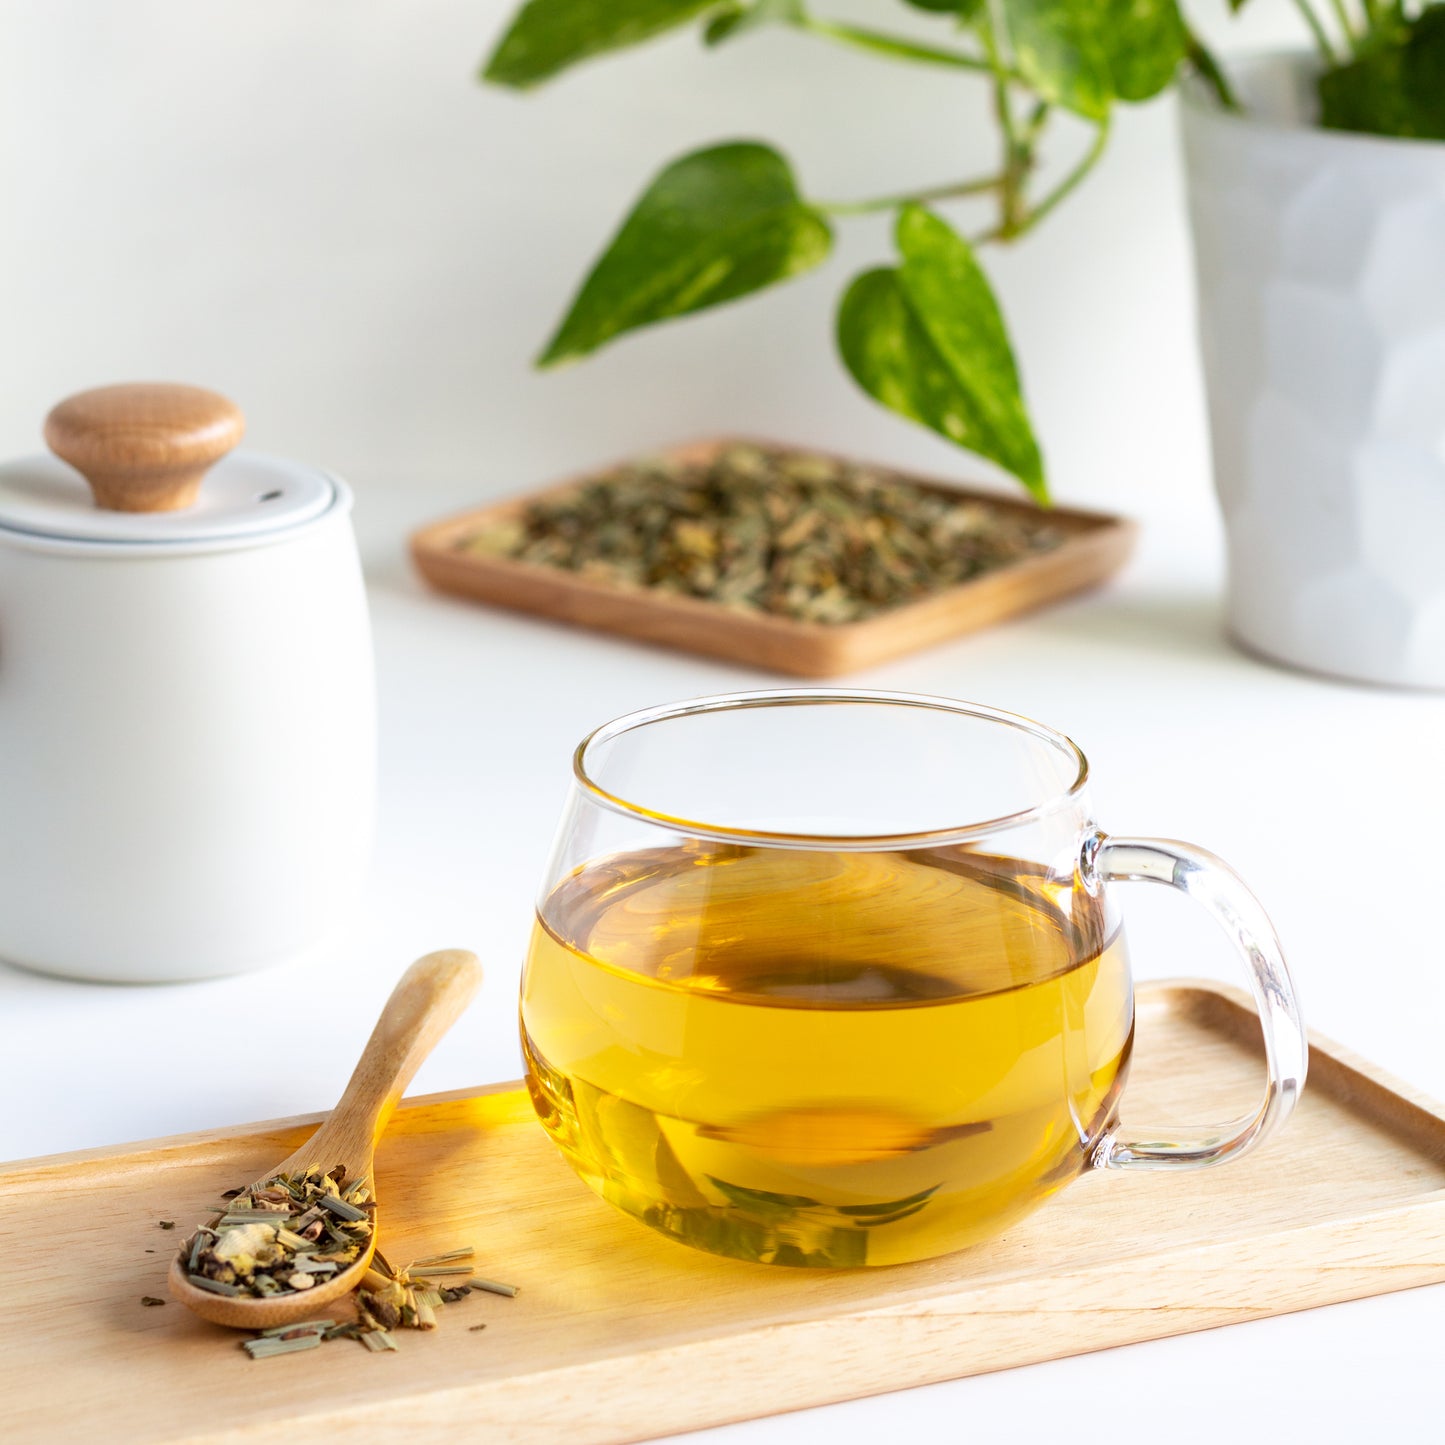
(1320, 259)
(187, 714)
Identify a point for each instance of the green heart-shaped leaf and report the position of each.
(927, 340)
(1142, 42)
(1057, 51)
(715, 225)
(547, 36)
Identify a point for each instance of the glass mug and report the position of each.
(835, 978)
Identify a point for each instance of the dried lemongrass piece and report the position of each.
(264, 1349)
(299, 1328)
(198, 1241)
(378, 1340)
(450, 1257)
(215, 1286)
(342, 1209)
(493, 1287)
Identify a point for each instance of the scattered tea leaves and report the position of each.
(387, 1299)
(786, 534)
(151, 1300)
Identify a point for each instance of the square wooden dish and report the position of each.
(1096, 544)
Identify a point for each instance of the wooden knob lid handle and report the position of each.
(144, 446)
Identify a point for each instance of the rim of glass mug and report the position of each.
(1064, 745)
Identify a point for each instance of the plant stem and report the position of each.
(1346, 26)
(1210, 71)
(1034, 126)
(954, 190)
(1031, 218)
(879, 44)
(1065, 186)
(1322, 41)
(1017, 152)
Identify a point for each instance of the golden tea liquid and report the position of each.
(823, 1058)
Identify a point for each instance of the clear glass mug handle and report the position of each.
(1213, 883)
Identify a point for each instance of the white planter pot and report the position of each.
(1320, 259)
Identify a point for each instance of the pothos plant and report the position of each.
(925, 335)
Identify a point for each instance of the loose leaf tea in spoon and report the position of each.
(249, 1268)
(282, 1235)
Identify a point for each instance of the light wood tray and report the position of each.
(619, 1334)
(1096, 545)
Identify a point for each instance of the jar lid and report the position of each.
(145, 465)
(247, 495)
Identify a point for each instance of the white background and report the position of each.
(315, 209)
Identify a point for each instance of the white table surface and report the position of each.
(1326, 797)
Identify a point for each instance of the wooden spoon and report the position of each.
(431, 996)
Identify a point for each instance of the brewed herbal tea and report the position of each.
(823, 1058)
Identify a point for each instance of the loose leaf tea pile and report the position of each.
(282, 1236)
(811, 538)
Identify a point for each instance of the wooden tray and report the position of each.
(619, 1334)
(1097, 544)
